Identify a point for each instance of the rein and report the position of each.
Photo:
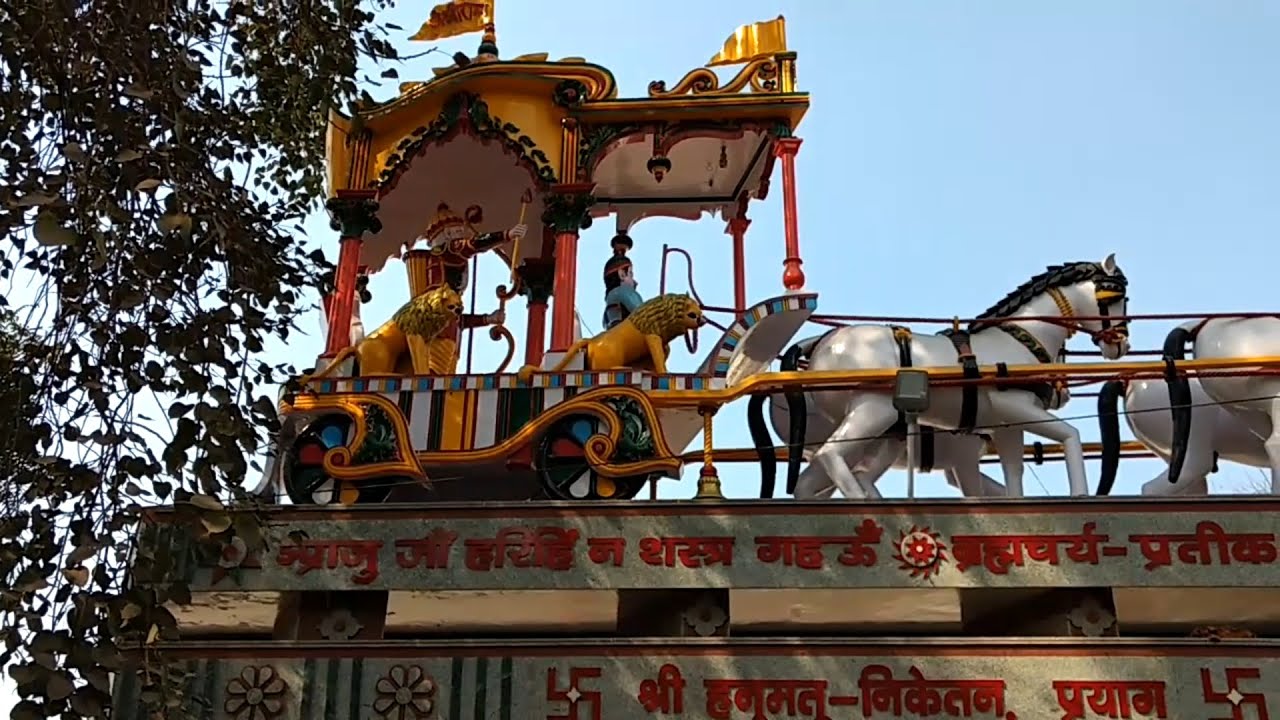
(1107, 290)
(690, 336)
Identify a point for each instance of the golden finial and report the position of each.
(488, 43)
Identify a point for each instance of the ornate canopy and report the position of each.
(485, 132)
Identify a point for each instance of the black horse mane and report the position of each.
(1054, 276)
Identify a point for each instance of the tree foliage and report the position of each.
(156, 159)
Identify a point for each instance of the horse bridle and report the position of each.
(1108, 290)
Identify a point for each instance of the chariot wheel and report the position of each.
(307, 482)
(561, 463)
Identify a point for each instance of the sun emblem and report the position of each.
(920, 551)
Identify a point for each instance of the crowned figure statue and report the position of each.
(620, 296)
(451, 243)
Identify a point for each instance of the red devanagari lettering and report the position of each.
(1155, 548)
(762, 699)
(431, 551)
(603, 550)
(308, 555)
(692, 552)
(1084, 547)
(311, 555)
(794, 551)
(665, 693)
(998, 553)
(859, 550)
(361, 554)
(551, 548)
(1110, 698)
(882, 693)
(1209, 541)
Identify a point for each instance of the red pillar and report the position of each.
(737, 227)
(352, 213)
(567, 208)
(536, 281)
(535, 336)
(792, 275)
(562, 321)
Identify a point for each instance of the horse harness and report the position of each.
(1108, 289)
(960, 339)
(928, 447)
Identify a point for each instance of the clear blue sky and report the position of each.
(967, 145)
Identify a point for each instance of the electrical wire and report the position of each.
(836, 320)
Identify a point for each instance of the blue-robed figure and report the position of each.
(620, 296)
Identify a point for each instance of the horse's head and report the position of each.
(1109, 299)
(1087, 295)
(1079, 297)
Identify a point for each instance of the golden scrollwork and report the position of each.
(598, 448)
(599, 82)
(337, 461)
(760, 74)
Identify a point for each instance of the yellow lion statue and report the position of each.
(640, 342)
(399, 346)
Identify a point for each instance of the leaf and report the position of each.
(50, 232)
(139, 91)
(35, 199)
(24, 674)
(82, 553)
(88, 702)
(77, 576)
(153, 634)
(215, 522)
(130, 611)
(59, 686)
(249, 530)
(32, 584)
(128, 155)
(390, 74)
(207, 502)
(27, 710)
(74, 152)
(179, 222)
(147, 185)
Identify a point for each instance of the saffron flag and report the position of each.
(752, 41)
(454, 18)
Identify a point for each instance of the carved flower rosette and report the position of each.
(258, 693)
(405, 693)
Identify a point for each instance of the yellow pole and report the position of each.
(708, 478)
(882, 378)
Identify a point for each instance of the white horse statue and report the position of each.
(1030, 325)
(957, 455)
(1215, 433)
(1254, 401)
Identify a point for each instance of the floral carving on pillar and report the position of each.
(258, 693)
(706, 617)
(340, 625)
(406, 692)
(354, 215)
(1091, 619)
(537, 279)
(567, 208)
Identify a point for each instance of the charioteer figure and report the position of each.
(451, 243)
(620, 295)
